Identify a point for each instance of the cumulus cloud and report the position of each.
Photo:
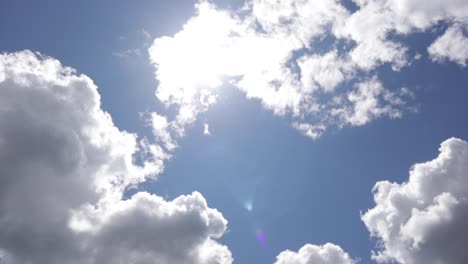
(452, 45)
(424, 220)
(267, 50)
(64, 167)
(371, 26)
(313, 254)
(155, 231)
(297, 57)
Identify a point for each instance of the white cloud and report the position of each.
(148, 229)
(424, 220)
(257, 47)
(373, 22)
(299, 21)
(452, 45)
(360, 105)
(313, 254)
(162, 130)
(129, 53)
(312, 131)
(422, 14)
(368, 101)
(265, 51)
(206, 129)
(64, 167)
(325, 71)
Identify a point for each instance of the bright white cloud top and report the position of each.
(312, 254)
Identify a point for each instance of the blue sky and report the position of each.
(301, 190)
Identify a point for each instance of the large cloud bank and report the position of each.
(64, 167)
(308, 59)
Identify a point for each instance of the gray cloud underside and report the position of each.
(64, 166)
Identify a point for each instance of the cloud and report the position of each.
(156, 231)
(129, 53)
(64, 167)
(206, 129)
(268, 51)
(146, 33)
(452, 45)
(370, 100)
(324, 71)
(161, 130)
(424, 220)
(313, 254)
(421, 15)
(371, 26)
(312, 131)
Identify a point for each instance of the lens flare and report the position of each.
(261, 238)
(248, 205)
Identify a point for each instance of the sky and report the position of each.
(246, 131)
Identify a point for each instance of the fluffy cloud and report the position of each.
(313, 254)
(370, 100)
(324, 71)
(267, 51)
(375, 20)
(424, 220)
(297, 57)
(452, 45)
(420, 15)
(368, 28)
(155, 231)
(64, 167)
(161, 130)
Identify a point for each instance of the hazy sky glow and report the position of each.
(256, 131)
